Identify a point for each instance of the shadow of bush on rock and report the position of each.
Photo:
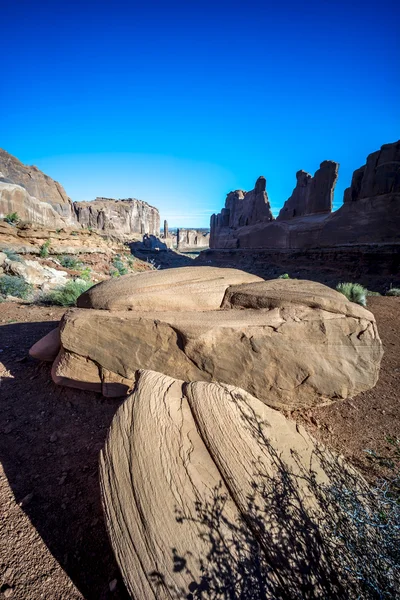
(344, 544)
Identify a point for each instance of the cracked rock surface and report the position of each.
(290, 343)
(208, 493)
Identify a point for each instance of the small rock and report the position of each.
(8, 574)
(113, 585)
(8, 592)
(53, 437)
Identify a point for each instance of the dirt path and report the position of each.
(53, 542)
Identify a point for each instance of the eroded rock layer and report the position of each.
(39, 194)
(209, 493)
(370, 213)
(119, 217)
(290, 343)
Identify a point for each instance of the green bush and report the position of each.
(86, 274)
(68, 294)
(15, 286)
(69, 262)
(11, 255)
(12, 218)
(393, 292)
(119, 266)
(284, 276)
(44, 249)
(369, 293)
(354, 292)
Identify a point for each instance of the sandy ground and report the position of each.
(53, 542)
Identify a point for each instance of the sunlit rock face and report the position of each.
(123, 218)
(208, 493)
(40, 188)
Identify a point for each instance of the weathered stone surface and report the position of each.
(242, 209)
(184, 288)
(312, 195)
(48, 347)
(207, 490)
(288, 346)
(36, 274)
(370, 213)
(123, 218)
(16, 199)
(380, 175)
(38, 185)
(188, 239)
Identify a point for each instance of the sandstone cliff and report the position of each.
(370, 213)
(39, 189)
(312, 195)
(40, 200)
(192, 239)
(119, 217)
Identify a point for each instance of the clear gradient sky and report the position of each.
(179, 103)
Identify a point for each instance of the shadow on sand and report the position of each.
(49, 447)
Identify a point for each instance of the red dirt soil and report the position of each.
(53, 542)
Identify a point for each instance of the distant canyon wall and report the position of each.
(370, 213)
(38, 199)
(121, 217)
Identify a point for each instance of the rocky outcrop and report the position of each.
(192, 239)
(16, 199)
(370, 213)
(273, 339)
(38, 199)
(40, 189)
(242, 209)
(122, 218)
(208, 493)
(312, 195)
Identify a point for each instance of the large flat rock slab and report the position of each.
(208, 493)
(184, 288)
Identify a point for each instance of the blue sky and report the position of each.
(179, 103)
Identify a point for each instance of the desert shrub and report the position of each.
(12, 255)
(68, 294)
(12, 218)
(15, 286)
(370, 293)
(86, 274)
(354, 292)
(119, 265)
(284, 276)
(44, 249)
(69, 262)
(393, 292)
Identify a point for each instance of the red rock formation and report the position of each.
(370, 213)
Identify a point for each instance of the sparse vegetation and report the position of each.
(86, 274)
(12, 218)
(284, 276)
(369, 293)
(12, 255)
(120, 268)
(15, 286)
(354, 292)
(69, 293)
(69, 262)
(393, 292)
(44, 249)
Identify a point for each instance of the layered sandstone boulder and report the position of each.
(209, 493)
(40, 188)
(121, 218)
(290, 343)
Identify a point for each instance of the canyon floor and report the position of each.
(53, 542)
